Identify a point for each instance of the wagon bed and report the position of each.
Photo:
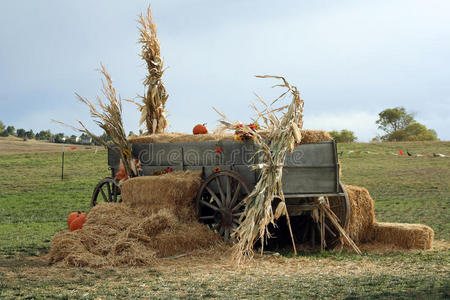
(229, 174)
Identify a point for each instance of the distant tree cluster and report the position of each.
(47, 135)
(400, 125)
(343, 136)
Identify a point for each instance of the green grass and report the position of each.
(35, 202)
(405, 189)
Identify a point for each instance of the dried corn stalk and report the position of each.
(283, 133)
(109, 117)
(152, 109)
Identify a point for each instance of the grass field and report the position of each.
(34, 204)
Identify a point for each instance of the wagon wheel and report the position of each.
(218, 202)
(309, 230)
(106, 190)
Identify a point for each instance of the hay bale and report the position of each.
(406, 236)
(315, 136)
(308, 137)
(157, 219)
(183, 239)
(173, 191)
(362, 214)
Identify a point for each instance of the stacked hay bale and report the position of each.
(364, 229)
(156, 220)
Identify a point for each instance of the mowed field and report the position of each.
(34, 204)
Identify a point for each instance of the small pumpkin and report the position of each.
(72, 216)
(200, 129)
(78, 222)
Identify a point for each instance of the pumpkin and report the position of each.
(72, 216)
(200, 129)
(121, 174)
(78, 222)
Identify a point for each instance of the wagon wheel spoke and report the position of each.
(227, 233)
(222, 195)
(206, 218)
(109, 192)
(103, 194)
(211, 192)
(209, 205)
(221, 230)
(236, 195)
(115, 188)
(329, 230)
(228, 195)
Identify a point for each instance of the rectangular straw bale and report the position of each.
(362, 214)
(174, 191)
(308, 137)
(406, 236)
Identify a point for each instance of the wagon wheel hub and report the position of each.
(227, 217)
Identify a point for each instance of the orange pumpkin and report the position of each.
(78, 222)
(72, 216)
(200, 129)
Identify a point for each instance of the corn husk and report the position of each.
(108, 116)
(279, 138)
(153, 112)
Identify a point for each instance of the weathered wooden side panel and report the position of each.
(309, 169)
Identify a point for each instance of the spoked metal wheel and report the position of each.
(218, 202)
(106, 190)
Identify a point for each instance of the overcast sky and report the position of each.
(349, 59)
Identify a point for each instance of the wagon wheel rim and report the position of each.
(107, 190)
(218, 202)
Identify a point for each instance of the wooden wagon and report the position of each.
(229, 174)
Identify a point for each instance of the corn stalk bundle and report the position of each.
(283, 134)
(152, 110)
(108, 116)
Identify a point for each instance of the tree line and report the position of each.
(398, 126)
(47, 135)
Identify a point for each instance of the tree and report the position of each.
(58, 138)
(344, 136)
(401, 126)
(29, 134)
(11, 130)
(393, 119)
(3, 132)
(20, 132)
(44, 135)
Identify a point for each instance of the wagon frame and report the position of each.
(229, 173)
